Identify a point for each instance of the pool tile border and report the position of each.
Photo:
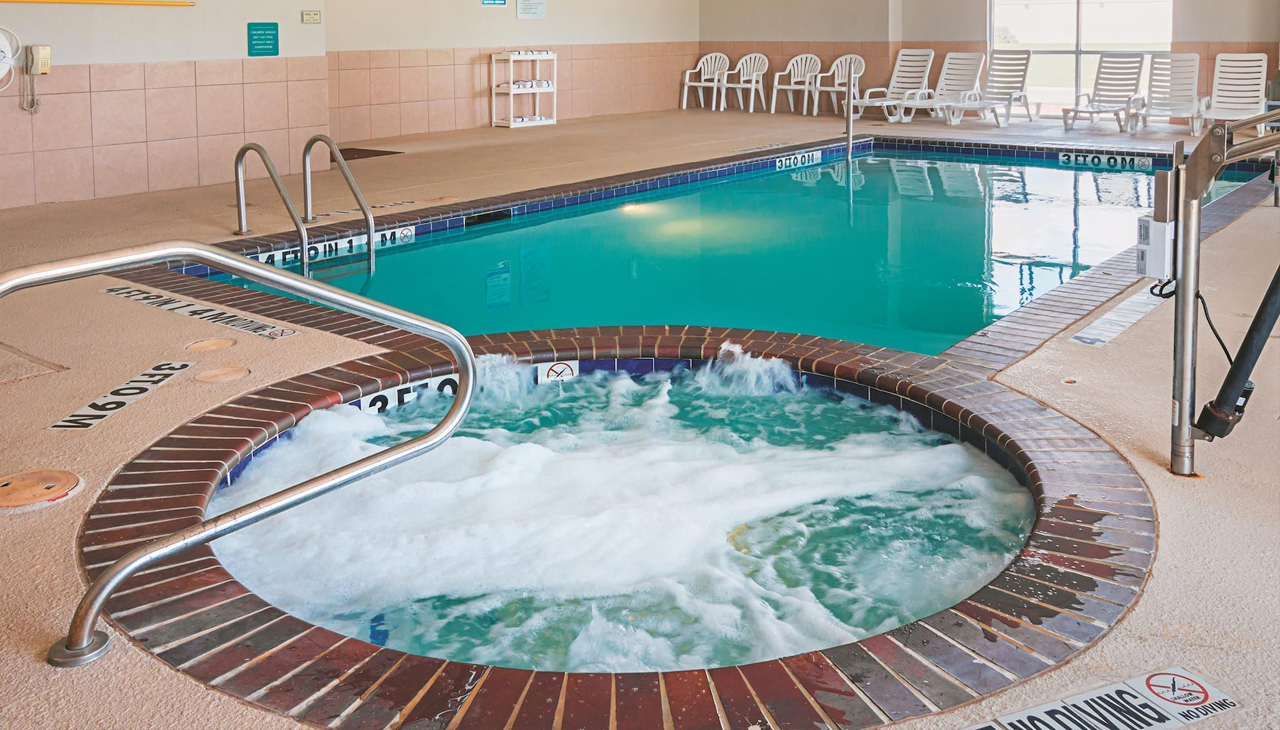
(1083, 567)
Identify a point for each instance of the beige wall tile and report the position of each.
(219, 73)
(384, 59)
(17, 180)
(276, 143)
(298, 137)
(116, 76)
(173, 164)
(308, 103)
(441, 114)
(266, 106)
(308, 68)
(63, 175)
(15, 128)
(65, 122)
(353, 87)
(63, 80)
(384, 121)
(119, 117)
(464, 114)
(469, 81)
(119, 170)
(414, 83)
(348, 60)
(384, 86)
(464, 56)
(265, 70)
(414, 116)
(354, 124)
(220, 109)
(170, 74)
(171, 113)
(439, 83)
(335, 129)
(217, 157)
(439, 56)
(413, 57)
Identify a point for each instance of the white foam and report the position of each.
(628, 508)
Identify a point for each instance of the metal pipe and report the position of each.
(848, 117)
(309, 217)
(1255, 339)
(284, 196)
(83, 644)
(1186, 320)
(1253, 121)
(1255, 147)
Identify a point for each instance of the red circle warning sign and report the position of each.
(1177, 689)
(559, 371)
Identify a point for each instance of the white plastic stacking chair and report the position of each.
(847, 174)
(961, 74)
(1114, 89)
(1173, 90)
(750, 76)
(910, 73)
(808, 178)
(797, 76)
(706, 75)
(836, 80)
(1239, 87)
(1006, 86)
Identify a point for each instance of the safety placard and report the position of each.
(531, 9)
(550, 372)
(1183, 695)
(264, 39)
(202, 312)
(122, 395)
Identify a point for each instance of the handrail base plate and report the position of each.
(62, 657)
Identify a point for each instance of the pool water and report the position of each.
(901, 252)
(611, 523)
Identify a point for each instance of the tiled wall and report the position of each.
(116, 129)
(879, 56)
(376, 94)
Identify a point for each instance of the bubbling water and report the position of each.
(612, 523)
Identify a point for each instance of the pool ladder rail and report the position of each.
(83, 644)
(300, 221)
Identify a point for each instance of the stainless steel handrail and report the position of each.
(1191, 179)
(308, 216)
(284, 196)
(83, 644)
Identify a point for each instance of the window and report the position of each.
(1066, 37)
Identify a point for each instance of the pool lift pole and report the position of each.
(1188, 182)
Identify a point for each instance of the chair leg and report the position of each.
(773, 106)
(1008, 115)
(791, 100)
(740, 104)
(1197, 126)
(684, 97)
(1067, 121)
(1121, 122)
(701, 101)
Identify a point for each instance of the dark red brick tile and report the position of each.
(890, 695)
(201, 599)
(317, 675)
(181, 654)
(237, 655)
(294, 654)
(446, 695)
(689, 697)
(495, 702)
(639, 701)
(740, 708)
(937, 686)
(538, 710)
(361, 682)
(950, 658)
(781, 697)
(832, 693)
(588, 702)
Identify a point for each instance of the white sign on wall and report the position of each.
(531, 9)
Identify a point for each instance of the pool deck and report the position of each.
(1205, 607)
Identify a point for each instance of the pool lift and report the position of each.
(1172, 246)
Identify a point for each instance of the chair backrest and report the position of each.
(1119, 77)
(1007, 75)
(712, 65)
(752, 64)
(910, 71)
(961, 72)
(1174, 79)
(803, 66)
(1240, 83)
(850, 63)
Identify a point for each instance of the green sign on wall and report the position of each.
(264, 39)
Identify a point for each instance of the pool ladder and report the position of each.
(83, 644)
(299, 222)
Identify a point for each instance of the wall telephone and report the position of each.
(39, 60)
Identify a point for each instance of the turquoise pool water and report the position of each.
(611, 523)
(897, 251)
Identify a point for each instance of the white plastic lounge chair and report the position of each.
(961, 74)
(1006, 86)
(706, 75)
(1114, 89)
(797, 76)
(960, 179)
(1173, 90)
(1239, 87)
(750, 76)
(836, 80)
(910, 73)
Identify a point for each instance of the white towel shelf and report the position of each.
(503, 68)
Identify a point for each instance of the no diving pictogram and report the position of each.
(1177, 689)
(559, 371)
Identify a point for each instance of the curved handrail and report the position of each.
(310, 217)
(284, 196)
(83, 644)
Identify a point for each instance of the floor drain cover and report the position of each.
(222, 375)
(33, 487)
(210, 345)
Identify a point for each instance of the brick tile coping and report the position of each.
(1084, 565)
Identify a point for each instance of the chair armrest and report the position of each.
(919, 95)
(724, 76)
(688, 75)
(1088, 98)
(1202, 104)
(777, 77)
(817, 80)
(866, 95)
(970, 97)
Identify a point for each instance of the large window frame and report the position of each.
(1079, 52)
